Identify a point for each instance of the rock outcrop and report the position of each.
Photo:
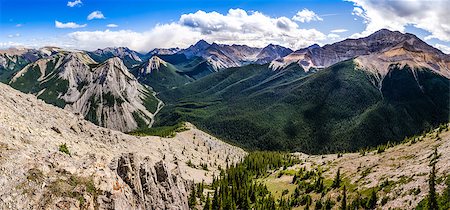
(53, 159)
(152, 186)
(106, 93)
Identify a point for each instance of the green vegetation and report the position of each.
(92, 113)
(110, 100)
(339, 108)
(162, 131)
(236, 188)
(150, 102)
(64, 149)
(165, 78)
(246, 186)
(13, 64)
(433, 200)
(72, 186)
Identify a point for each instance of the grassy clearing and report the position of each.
(162, 131)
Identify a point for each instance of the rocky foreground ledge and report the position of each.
(53, 159)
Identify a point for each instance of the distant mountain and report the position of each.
(106, 93)
(221, 56)
(382, 88)
(160, 75)
(272, 52)
(14, 59)
(163, 51)
(321, 57)
(196, 49)
(129, 57)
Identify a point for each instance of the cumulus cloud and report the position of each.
(306, 16)
(444, 48)
(339, 30)
(74, 3)
(164, 36)
(68, 25)
(333, 36)
(235, 27)
(96, 15)
(431, 16)
(112, 25)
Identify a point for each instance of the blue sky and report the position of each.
(144, 25)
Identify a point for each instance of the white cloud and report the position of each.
(112, 25)
(95, 15)
(13, 35)
(4, 45)
(444, 48)
(235, 27)
(165, 36)
(19, 25)
(339, 30)
(431, 16)
(68, 25)
(306, 16)
(74, 3)
(333, 36)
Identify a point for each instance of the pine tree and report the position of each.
(192, 200)
(207, 203)
(344, 199)
(318, 205)
(337, 179)
(372, 202)
(215, 201)
(432, 197)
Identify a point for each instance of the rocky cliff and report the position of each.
(53, 159)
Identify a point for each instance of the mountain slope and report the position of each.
(321, 57)
(338, 108)
(129, 57)
(99, 168)
(14, 59)
(106, 94)
(160, 75)
(272, 52)
(398, 174)
(221, 56)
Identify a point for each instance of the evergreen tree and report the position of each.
(337, 179)
(372, 202)
(318, 205)
(432, 197)
(207, 203)
(344, 199)
(192, 200)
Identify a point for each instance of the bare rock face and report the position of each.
(106, 94)
(221, 56)
(152, 186)
(367, 47)
(100, 168)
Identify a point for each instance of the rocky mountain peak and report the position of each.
(153, 64)
(164, 51)
(121, 52)
(114, 69)
(272, 52)
(201, 44)
(380, 41)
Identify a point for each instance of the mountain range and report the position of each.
(315, 99)
(358, 124)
